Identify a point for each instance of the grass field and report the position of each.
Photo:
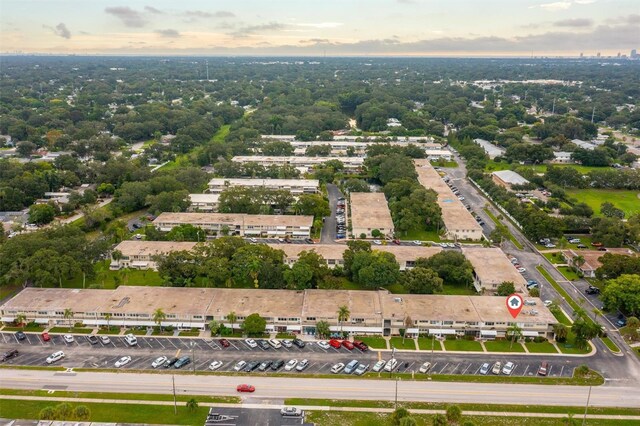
(420, 235)
(463, 345)
(609, 343)
(569, 347)
(560, 316)
(73, 330)
(568, 273)
(107, 278)
(541, 348)
(398, 344)
(503, 346)
(627, 201)
(555, 257)
(424, 344)
(373, 342)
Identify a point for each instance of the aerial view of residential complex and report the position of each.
(346, 213)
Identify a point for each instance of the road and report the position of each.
(328, 235)
(278, 387)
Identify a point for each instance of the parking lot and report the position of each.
(255, 416)
(81, 353)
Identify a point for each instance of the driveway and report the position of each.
(328, 235)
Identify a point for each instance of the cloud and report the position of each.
(197, 14)
(252, 29)
(61, 30)
(574, 23)
(224, 14)
(559, 5)
(169, 33)
(322, 25)
(153, 10)
(129, 17)
(584, 1)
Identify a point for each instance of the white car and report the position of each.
(443, 245)
(522, 270)
(337, 368)
(291, 365)
(68, 338)
(362, 368)
(550, 245)
(391, 365)
(159, 361)
(323, 344)
(253, 240)
(123, 361)
(496, 368)
(275, 344)
(291, 412)
(377, 242)
(215, 365)
(302, 365)
(575, 241)
(379, 365)
(461, 198)
(417, 243)
(251, 343)
(287, 343)
(548, 303)
(508, 368)
(484, 369)
(131, 339)
(239, 366)
(56, 356)
(425, 367)
(105, 340)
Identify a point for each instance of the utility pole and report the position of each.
(175, 404)
(586, 407)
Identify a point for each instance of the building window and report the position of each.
(311, 318)
(357, 320)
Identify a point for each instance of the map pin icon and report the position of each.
(514, 304)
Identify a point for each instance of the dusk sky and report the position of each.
(331, 27)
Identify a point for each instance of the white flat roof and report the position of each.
(263, 182)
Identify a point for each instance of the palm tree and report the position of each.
(560, 331)
(514, 330)
(596, 312)
(192, 404)
(68, 315)
(108, 316)
(232, 318)
(21, 318)
(578, 261)
(159, 316)
(343, 315)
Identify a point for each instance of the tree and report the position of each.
(408, 323)
(41, 214)
(454, 414)
(25, 148)
(107, 317)
(534, 292)
(623, 294)
(21, 319)
(159, 316)
(421, 280)
(506, 288)
(408, 421)
(614, 265)
(323, 329)
(47, 413)
(609, 210)
(68, 315)
(192, 405)
(439, 420)
(584, 331)
(560, 331)
(375, 269)
(232, 318)
(515, 332)
(82, 412)
(451, 266)
(343, 315)
(254, 325)
(214, 326)
(398, 414)
(299, 276)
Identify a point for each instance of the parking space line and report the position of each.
(550, 368)
(561, 370)
(443, 368)
(525, 370)
(478, 369)
(465, 370)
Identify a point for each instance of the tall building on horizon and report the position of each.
(634, 54)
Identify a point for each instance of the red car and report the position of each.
(360, 345)
(46, 337)
(225, 343)
(335, 343)
(596, 244)
(396, 242)
(347, 344)
(246, 388)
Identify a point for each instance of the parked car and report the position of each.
(379, 365)
(224, 343)
(182, 361)
(264, 345)
(596, 244)
(548, 303)
(396, 242)
(291, 364)
(497, 367)
(351, 366)
(123, 361)
(360, 345)
(347, 344)
(158, 361)
(334, 343)
(170, 362)
(302, 365)
(45, 336)
(92, 339)
(299, 343)
(105, 340)
(522, 270)
(592, 290)
(291, 412)
(68, 338)
(543, 369)
(362, 368)
(574, 241)
(8, 355)
(275, 344)
(377, 242)
(251, 343)
(277, 364)
(425, 367)
(530, 302)
(246, 388)
(581, 246)
(264, 365)
(56, 356)
(550, 245)
(239, 365)
(323, 344)
(484, 368)
(253, 240)
(215, 365)
(391, 364)
(622, 321)
(131, 339)
(508, 368)
(287, 343)
(417, 243)
(251, 365)
(336, 368)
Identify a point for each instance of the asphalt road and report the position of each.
(328, 235)
(288, 387)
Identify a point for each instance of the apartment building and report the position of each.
(205, 203)
(294, 186)
(304, 164)
(138, 254)
(491, 267)
(369, 212)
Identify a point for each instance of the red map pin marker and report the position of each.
(515, 304)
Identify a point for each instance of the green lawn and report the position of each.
(568, 273)
(463, 345)
(373, 342)
(456, 290)
(560, 316)
(420, 235)
(541, 348)
(189, 333)
(137, 332)
(569, 347)
(106, 278)
(503, 346)
(559, 289)
(612, 346)
(396, 342)
(448, 164)
(492, 166)
(555, 257)
(111, 330)
(627, 201)
(424, 344)
(74, 330)
(221, 133)
(397, 288)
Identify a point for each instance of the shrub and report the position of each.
(469, 337)
(540, 339)
(451, 337)
(582, 370)
(169, 328)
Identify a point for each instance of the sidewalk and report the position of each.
(316, 407)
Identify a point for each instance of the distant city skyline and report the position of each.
(331, 27)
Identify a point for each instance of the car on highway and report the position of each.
(323, 344)
(123, 361)
(170, 362)
(287, 343)
(92, 339)
(291, 412)
(275, 344)
(351, 366)
(251, 365)
(68, 338)
(182, 361)
(246, 388)
(497, 367)
(592, 290)
(239, 365)
(264, 365)
(105, 340)
(336, 368)
(543, 370)
(335, 343)
(302, 365)
(251, 343)
(56, 356)
(224, 343)
(130, 339)
(215, 365)
(508, 368)
(291, 364)
(362, 368)
(347, 344)
(45, 336)
(264, 345)
(391, 364)
(484, 368)
(425, 367)
(378, 366)
(8, 355)
(299, 343)
(276, 365)
(360, 345)
(159, 361)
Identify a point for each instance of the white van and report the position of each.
(275, 344)
(131, 339)
(56, 356)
